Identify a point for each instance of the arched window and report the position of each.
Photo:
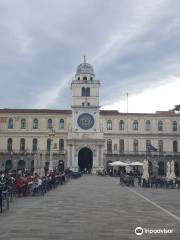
(83, 92)
(135, 145)
(49, 123)
(87, 92)
(121, 146)
(115, 147)
(9, 144)
(174, 126)
(175, 146)
(109, 146)
(135, 125)
(148, 143)
(61, 165)
(10, 123)
(161, 168)
(160, 146)
(23, 123)
(48, 145)
(121, 125)
(148, 125)
(150, 168)
(61, 124)
(34, 145)
(176, 169)
(109, 125)
(22, 144)
(78, 78)
(61, 144)
(8, 165)
(32, 167)
(35, 124)
(91, 78)
(21, 165)
(85, 78)
(160, 125)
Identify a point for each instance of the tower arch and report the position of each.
(85, 159)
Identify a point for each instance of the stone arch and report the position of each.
(85, 159)
(161, 168)
(176, 169)
(21, 165)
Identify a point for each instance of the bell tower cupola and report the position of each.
(85, 71)
(85, 88)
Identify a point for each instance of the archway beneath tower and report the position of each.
(85, 159)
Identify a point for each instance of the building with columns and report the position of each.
(85, 136)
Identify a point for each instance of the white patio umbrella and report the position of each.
(136, 164)
(172, 175)
(145, 170)
(118, 164)
(168, 172)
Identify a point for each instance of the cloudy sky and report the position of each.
(134, 46)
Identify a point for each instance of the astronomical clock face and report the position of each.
(85, 121)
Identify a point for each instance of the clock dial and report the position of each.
(85, 121)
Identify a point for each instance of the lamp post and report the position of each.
(51, 135)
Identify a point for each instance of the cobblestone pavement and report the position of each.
(89, 208)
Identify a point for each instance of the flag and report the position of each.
(151, 148)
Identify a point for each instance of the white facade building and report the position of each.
(85, 136)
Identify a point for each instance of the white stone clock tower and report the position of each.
(85, 99)
(86, 138)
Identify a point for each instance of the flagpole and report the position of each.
(127, 125)
(127, 101)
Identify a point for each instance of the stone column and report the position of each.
(100, 156)
(51, 163)
(35, 163)
(68, 156)
(73, 157)
(97, 157)
(70, 160)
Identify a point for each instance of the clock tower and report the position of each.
(86, 139)
(85, 99)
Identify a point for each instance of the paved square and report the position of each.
(93, 207)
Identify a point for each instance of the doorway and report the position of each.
(85, 159)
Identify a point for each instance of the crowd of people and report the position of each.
(132, 179)
(25, 184)
(135, 178)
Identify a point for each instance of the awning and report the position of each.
(135, 164)
(118, 164)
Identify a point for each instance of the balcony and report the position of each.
(27, 152)
(141, 153)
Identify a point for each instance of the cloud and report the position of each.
(161, 98)
(133, 46)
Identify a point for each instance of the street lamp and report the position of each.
(51, 135)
